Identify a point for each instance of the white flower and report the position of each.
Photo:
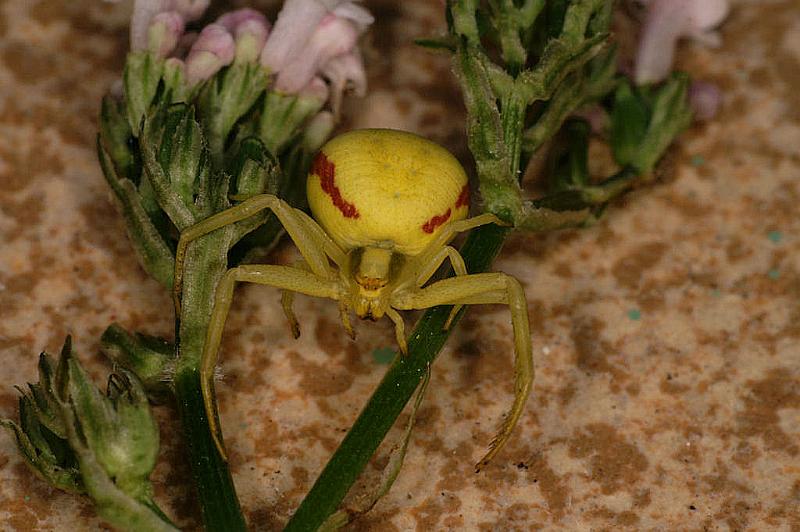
(667, 21)
(307, 35)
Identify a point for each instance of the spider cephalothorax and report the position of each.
(386, 204)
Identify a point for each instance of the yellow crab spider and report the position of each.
(386, 204)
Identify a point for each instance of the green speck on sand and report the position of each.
(635, 314)
(775, 236)
(698, 160)
(774, 274)
(384, 355)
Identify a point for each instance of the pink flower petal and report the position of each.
(345, 72)
(297, 21)
(143, 13)
(145, 10)
(705, 99)
(334, 36)
(666, 21)
(212, 50)
(165, 32)
(250, 29)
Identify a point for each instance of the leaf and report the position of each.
(154, 253)
(629, 120)
(156, 145)
(225, 100)
(152, 359)
(141, 78)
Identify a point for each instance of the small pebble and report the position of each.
(775, 236)
(698, 160)
(634, 314)
(774, 274)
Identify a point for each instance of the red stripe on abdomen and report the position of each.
(463, 197)
(435, 222)
(325, 169)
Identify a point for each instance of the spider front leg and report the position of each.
(486, 288)
(312, 242)
(283, 277)
(437, 252)
(428, 268)
(287, 301)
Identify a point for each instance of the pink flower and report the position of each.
(345, 72)
(213, 49)
(667, 21)
(144, 11)
(250, 29)
(705, 99)
(307, 35)
(164, 33)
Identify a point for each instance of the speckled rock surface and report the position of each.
(666, 337)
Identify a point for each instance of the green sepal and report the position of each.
(227, 98)
(150, 358)
(183, 154)
(670, 115)
(646, 120)
(117, 135)
(462, 18)
(141, 78)
(568, 159)
(255, 169)
(629, 119)
(282, 116)
(176, 89)
(108, 446)
(171, 152)
(41, 433)
(117, 428)
(153, 251)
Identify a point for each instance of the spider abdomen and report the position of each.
(381, 187)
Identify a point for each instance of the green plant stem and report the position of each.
(206, 262)
(394, 391)
(221, 510)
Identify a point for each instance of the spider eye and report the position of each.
(370, 283)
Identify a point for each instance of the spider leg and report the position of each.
(287, 300)
(486, 288)
(312, 242)
(283, 277)
(344, 315)
(451, 229)
(399, 329)
(428, 264)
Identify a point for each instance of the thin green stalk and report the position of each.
(221, 510)
(206, 263)
(394, 391)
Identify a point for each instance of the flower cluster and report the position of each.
(313, 41)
